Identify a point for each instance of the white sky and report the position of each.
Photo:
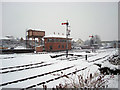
(86, 18)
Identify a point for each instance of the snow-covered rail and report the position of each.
(98, 59)
(36, 76)
(53, 79)
(31, 76)
(25, 68)
(20, 66)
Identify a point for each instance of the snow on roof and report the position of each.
(20, 47)
(57, 36)
(5, 38)
(35, 29)
(78, 39)
(75, 40)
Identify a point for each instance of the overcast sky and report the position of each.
(85, 18)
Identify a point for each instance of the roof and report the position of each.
(38, 30)
(78, 40)
(6, 38)
(56, 36)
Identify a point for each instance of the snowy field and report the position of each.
(35, 69)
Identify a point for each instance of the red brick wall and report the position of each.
(39, 49)
(55, 46)
(36, 33)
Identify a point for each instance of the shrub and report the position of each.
(94, 80)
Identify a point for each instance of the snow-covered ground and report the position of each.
(25, 70)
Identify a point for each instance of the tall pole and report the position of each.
(67, 39)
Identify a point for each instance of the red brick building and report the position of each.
(51, 43)
(33, 34)
(56, 43)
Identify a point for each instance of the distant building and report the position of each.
(79, 41)
(111, 44)
(76, 44)
(8, 42)
(56, 43)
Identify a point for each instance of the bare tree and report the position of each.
(93, 40)
(97, 39)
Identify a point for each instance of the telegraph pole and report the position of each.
(67, 39)
(67, 33)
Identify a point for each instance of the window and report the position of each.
(66, 46)
(50, 48)
(62, 46)
(56, 40)
(50, 40)
(69, 41)
(58, 46)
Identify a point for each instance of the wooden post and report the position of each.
(86, 57)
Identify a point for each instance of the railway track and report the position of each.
(98, 59)
(7, 57)
(18, 66)
(31, 66)
(75, 58)
(26, 68)
(53, 79)
(36, 76)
